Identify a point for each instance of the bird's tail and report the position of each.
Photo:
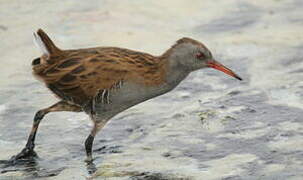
(49, 50)
(46, 45)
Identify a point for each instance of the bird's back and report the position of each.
(80, 75)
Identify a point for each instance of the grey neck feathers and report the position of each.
(175, 72)
(175, 57)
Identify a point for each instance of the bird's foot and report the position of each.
(26, 154)
(91, 167)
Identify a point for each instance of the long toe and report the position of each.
(26, 156)
(26, 153)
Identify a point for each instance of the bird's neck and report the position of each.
(175, 73)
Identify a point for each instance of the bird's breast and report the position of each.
(114, 101)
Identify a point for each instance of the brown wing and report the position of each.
(79, 75)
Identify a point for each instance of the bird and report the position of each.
(104, 81)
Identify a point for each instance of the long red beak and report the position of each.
(216, 65)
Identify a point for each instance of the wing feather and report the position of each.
(79, 75)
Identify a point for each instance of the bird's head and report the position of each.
(193, 55)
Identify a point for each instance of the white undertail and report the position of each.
(40, 44)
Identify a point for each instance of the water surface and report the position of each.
(210, 127)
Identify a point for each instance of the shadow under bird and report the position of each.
(105, 81)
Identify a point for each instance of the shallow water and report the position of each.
(210, 127)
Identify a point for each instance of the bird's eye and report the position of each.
(200, 55)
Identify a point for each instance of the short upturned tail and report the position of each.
(46, 45)
(49, 52)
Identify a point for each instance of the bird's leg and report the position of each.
(90, 139)
(28, 151)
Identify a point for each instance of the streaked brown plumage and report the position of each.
(78, 75)
(104, 81)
